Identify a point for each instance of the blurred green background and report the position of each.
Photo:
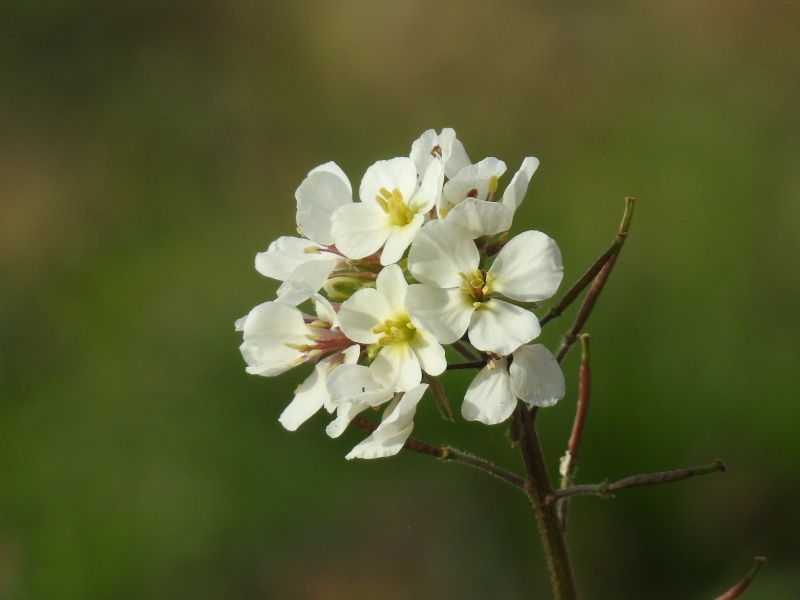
(149, 150)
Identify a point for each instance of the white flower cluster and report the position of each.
(422, 260)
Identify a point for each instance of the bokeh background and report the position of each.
(148, 150)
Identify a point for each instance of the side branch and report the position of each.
(471, 460)
(569, 462)
(738, 589)
(592, 272)
(608, 489)
(446, 453)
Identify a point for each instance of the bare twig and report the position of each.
(465, 351)
(569, 463)
(439, 396)
(473, 364)
(592, 272)
(484, 465)
(608, 489)
(738, 589)
(447, 453)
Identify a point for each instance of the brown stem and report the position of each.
(439, 396)
(484, 465)
(616, 245)
(537, 488)
(738, 589)
(608, 489)
(569, 463)
(586, 308)
(447, 453)
(473, 364)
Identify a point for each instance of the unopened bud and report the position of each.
(340, 289)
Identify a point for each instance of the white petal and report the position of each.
(443, 313)
(396, 367)
(429, 190)
(359, 229)
(325, 310)
(536, 376)
(392, 433)
(480, 217)
(284, 255)
(392, 286)
(501, 327)
(528, 268)
(332, 167)
(309, 397)
(489, 398)
(397, 173)
(399, 239)
(360, 313)
(306, 279)
(453, 154)
(353, 389)
(439, 252)
(475, 177)
(429, 352)
(516, 189)
(320, 194)
(355, 383)
(345, 413)
(267, 329)
(422, 150)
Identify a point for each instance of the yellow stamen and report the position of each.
(394, 331)
(393, 205)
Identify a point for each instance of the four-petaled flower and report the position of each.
(377, 317)
(456, 295)
(393, 208)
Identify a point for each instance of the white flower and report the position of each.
(455, 295)
(534, 377)
(278, 337)
(466, 198)
(354, 389)
(378, 316)
(393, 207)
(395, 427)
(312, 394)
(445, 146)
(307, 262)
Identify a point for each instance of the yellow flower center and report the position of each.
(395, 331)
(477, 285)
(393, 205)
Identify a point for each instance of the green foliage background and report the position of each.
(149, 150)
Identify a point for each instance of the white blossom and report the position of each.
(455, 295)
(445, 146)
(353, 389)
(534, 377)
(466, 198)
(393, 208)
(278, 337)
(377, 316)
(307, 262)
